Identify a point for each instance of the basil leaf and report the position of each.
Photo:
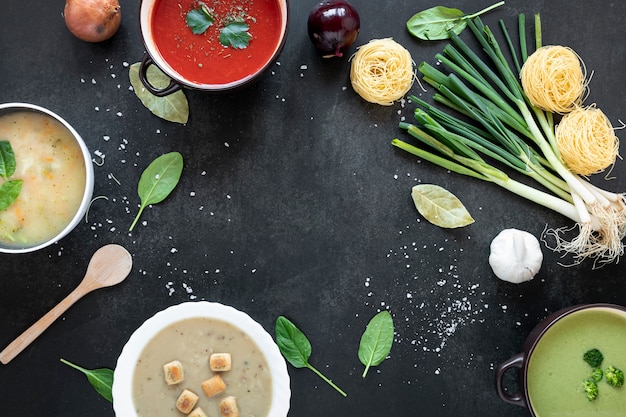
(199, 20)
(158, 180)
(173, 107)
(376, 340)
(101, 379)
(293, 344)
(434, 23)
(440, 207)
(235, 34)
(9, 191)
(7, 159)
(296, 348)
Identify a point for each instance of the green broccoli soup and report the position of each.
(556, 369)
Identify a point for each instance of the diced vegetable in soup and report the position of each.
(191, 342)
(50, 163)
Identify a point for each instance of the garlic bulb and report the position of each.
(515, 256)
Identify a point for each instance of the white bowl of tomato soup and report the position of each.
(53, 166)
(211, 45)
(188, 335)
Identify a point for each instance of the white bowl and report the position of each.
(123, 404)
(6, 108)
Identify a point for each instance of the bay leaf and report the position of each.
(440, 207)
(173, 107)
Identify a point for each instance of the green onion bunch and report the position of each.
(489, 126)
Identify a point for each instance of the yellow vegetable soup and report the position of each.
(51, 165)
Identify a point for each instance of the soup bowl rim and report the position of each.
(10, 107)
(123, 402)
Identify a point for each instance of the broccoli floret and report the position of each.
(591, 389)
(593, 357)
(614, 376)
(596, 374)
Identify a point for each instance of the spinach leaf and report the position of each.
(173, 107)
(236, 35)
(376, 340)
(440, 207)
(199, 20)
(158, 180)
(9, 192)
(7, 159)
(436, 23)
(296, 348)
(101, 379)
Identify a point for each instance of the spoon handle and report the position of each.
(30, 334)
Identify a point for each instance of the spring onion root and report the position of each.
(554, 79)
(586, 141)
(495, 126)
(381, 71)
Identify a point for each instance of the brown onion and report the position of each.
(93, 20)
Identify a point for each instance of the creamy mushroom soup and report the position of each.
(191, 342)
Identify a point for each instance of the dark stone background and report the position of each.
(293, 202)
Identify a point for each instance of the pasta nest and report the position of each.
(554, 79)
(381, 71)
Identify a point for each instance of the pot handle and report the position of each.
(518, 398)
(143, 76)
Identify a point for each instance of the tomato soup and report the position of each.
(202, 58)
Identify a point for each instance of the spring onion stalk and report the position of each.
(506, 129)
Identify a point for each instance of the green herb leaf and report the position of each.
(296, 348)
(293, 344)
(199, 20)
(101, 379)
(440, 207)
(173, 107)
(236, 35)
(158, 180)
(9, 191)
(376, 340)
(7, 159)
(435, 23)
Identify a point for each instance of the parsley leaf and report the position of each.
(199, 20)
(235, 34)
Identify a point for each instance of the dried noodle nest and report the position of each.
(381, 71)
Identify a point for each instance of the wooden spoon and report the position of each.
(110, 265)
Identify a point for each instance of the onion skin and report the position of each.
(92, 20)
(333, 26)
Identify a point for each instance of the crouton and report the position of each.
(228, 407)
(186, 401)
(198, 412)
(213, 385)
(220, 362)
(173, 372)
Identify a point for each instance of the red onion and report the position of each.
(333, 26)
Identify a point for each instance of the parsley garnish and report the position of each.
(199, 20)
(236, 35)
(234, 32)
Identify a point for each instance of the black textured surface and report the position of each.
(293, 202)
